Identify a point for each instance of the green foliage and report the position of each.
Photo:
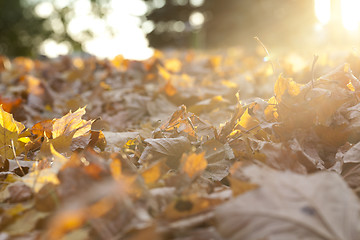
(20, 30)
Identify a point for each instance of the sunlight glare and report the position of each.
(350, 14)
(53, 49)
(322, 11)
(44, 9)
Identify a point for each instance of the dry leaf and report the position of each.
(193, 164)
(9, 133)
(291, 206)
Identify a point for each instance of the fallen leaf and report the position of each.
(291, 206)
(19, 192)
(170, 148)
(70, 123)
(154, 172)
(26, 223)
(9, 133)
(193, 164)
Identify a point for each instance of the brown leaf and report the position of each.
(170, 148)
(25, 223)
(19, 192)
(189, 205)
(351, 174)
(352, 155)
(218, 156)
(279, 156)
(291, 206)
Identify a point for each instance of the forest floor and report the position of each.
(185, 145)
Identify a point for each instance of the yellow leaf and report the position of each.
(270, 111)
(229, 84)
(37, 179)
(215, 61)
(239, 187)
(286, 85)
(247, 121)
(115, 168)
(193, 164)
(9, 133)
(153, 173)
(120, 62)
(71, 122)
(16, 210)
(164, 73)
(173, 65)
(350, 87)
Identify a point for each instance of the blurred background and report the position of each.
(132, 28)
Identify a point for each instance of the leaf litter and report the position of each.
(184, 145)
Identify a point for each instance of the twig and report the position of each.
(245, 132)
(316, 57)
(17, 162)
(267, 53)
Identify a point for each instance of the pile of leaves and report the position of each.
(178, 147)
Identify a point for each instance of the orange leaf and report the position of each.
(173, 65)
(9, 104)
(194, 164)
(169, 89)
(164, 73)
(154, 172)
(115, 168)
(43, 128)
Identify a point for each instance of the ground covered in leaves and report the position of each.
(184, 145)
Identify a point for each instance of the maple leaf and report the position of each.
(9, 134)
(66, 130)
(43, 128)
(70, 123)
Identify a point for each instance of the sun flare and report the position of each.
(322, 11)
(349, 13)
